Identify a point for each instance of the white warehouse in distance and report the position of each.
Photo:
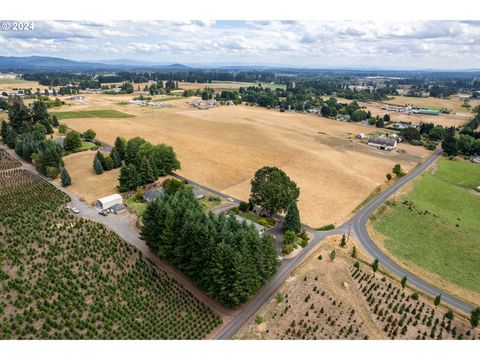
(108, 201)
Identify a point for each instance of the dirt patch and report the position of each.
(85, 183)
(360, 304)
(320, 301)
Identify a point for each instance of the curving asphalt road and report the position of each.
(358, 224)
(359, 227)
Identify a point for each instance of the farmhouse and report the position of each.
(198, 193)
(109, 201)
(382, 143)
(258, 227)
(154, 194)
(76, 98)
(401, 125)
(60, 141)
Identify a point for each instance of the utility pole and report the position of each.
(394, 195)
(348, 236)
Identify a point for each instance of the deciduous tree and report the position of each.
(273, 190)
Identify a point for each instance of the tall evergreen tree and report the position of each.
(101, 158)
(3, 129)
(39, 112)
(117, 162)
(132, 155)
(55, 122)
(97, 166)
(450, 143)
(292, 219)
(120, 146)
(65, 177)
(146, 172)
(19, 115)
(129, 178)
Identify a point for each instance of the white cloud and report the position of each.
(412, 44)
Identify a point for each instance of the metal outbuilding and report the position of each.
(108, 201)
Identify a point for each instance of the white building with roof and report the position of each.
(109, 201)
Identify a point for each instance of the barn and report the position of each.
(382, 143)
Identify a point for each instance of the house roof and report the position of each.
(258, 227)
(382, 141)
(153, 194)
(198, 192)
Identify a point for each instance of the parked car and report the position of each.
(104, 212)
(230, 199)
(75, 210)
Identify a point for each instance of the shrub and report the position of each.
(332, 255)
(52, 172)
(89, 134)
(62, 129)
(326, 227)
(259, 319)
(243, 206)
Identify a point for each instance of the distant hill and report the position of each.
(46, 63)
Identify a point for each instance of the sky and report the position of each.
(443, 45)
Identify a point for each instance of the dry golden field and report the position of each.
(20, 84)
(458, 119)
(223, 147)
(85, 183)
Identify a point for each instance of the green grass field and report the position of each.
(12, 81)
(138, 207)
(436, 225)
(91, 114)
(209, 202)
(257, 219)
(464, 174)
(87, 145)
(235, 84)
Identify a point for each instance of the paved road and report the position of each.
(359, 227)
